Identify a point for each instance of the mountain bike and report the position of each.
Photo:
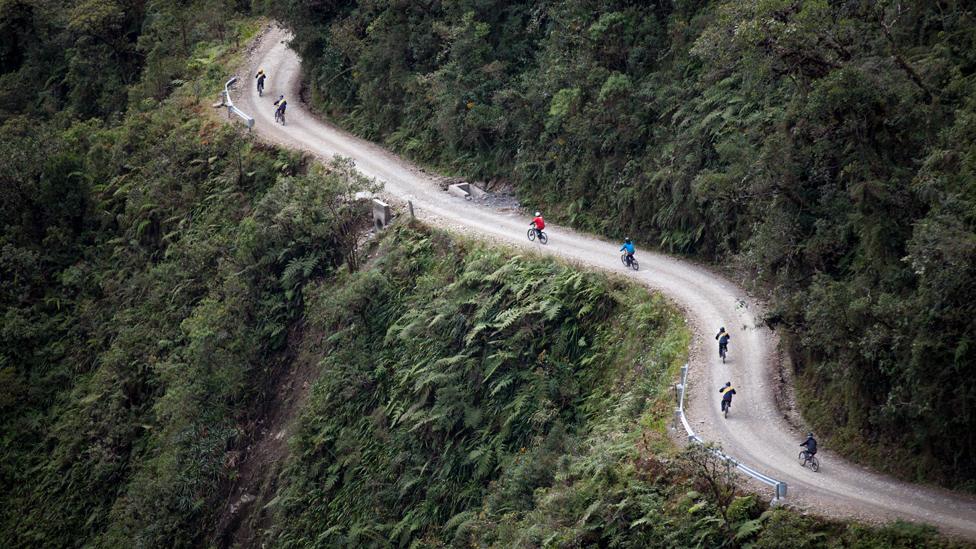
(260, 88)
(805, 458)
(280, 117)
(542, 235)
(629, 261)
(722, 351)
(726, 404)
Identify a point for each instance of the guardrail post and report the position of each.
(780, 490)
(381, 214)
(677, 419)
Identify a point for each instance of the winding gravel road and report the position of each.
(756, 431)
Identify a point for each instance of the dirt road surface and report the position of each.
(756, 431)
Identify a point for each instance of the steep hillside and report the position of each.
(149, 285)
(823, 149)
(470, 398)
(148, 275)
(447, 372)
(166, 281)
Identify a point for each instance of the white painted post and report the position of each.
(381, 214)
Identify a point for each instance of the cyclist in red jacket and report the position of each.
(538, 223)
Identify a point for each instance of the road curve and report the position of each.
(755, 432)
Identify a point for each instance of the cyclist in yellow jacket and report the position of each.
(260, 76)
(727, 391)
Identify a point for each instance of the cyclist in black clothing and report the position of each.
(723, 340)
(811, 444)
(260, 76)
(727, 393)
(281, 105)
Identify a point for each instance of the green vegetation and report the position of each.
(149, 272)
(448, 371)
(93, 58)
(161, 274)
(470, 398)
(148, 289)
(826, 150)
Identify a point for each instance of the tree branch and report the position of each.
(913, 75)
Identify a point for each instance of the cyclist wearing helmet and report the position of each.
(538, 224)
(281, 105)
(727, 393)
(811, 444)
(629, 248)
(723, 340)
(260, 76)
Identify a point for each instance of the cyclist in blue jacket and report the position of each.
(629, 248)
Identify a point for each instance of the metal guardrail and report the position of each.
(231, 109)
(779, 487)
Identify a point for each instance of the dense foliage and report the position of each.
(445, 367)
(149, 273)
(468, 398)
(161, 274)
(827, 148)
(91, 57)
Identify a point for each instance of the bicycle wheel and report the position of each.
(623, 259)
(543, 238)
(814, 464)
(722, 352)
(634, 265)
(802, 458)
(531, 234)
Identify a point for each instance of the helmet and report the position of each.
(810, 434)
(626, 239)
(728, 383)
(722, 329)
(537, 214)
